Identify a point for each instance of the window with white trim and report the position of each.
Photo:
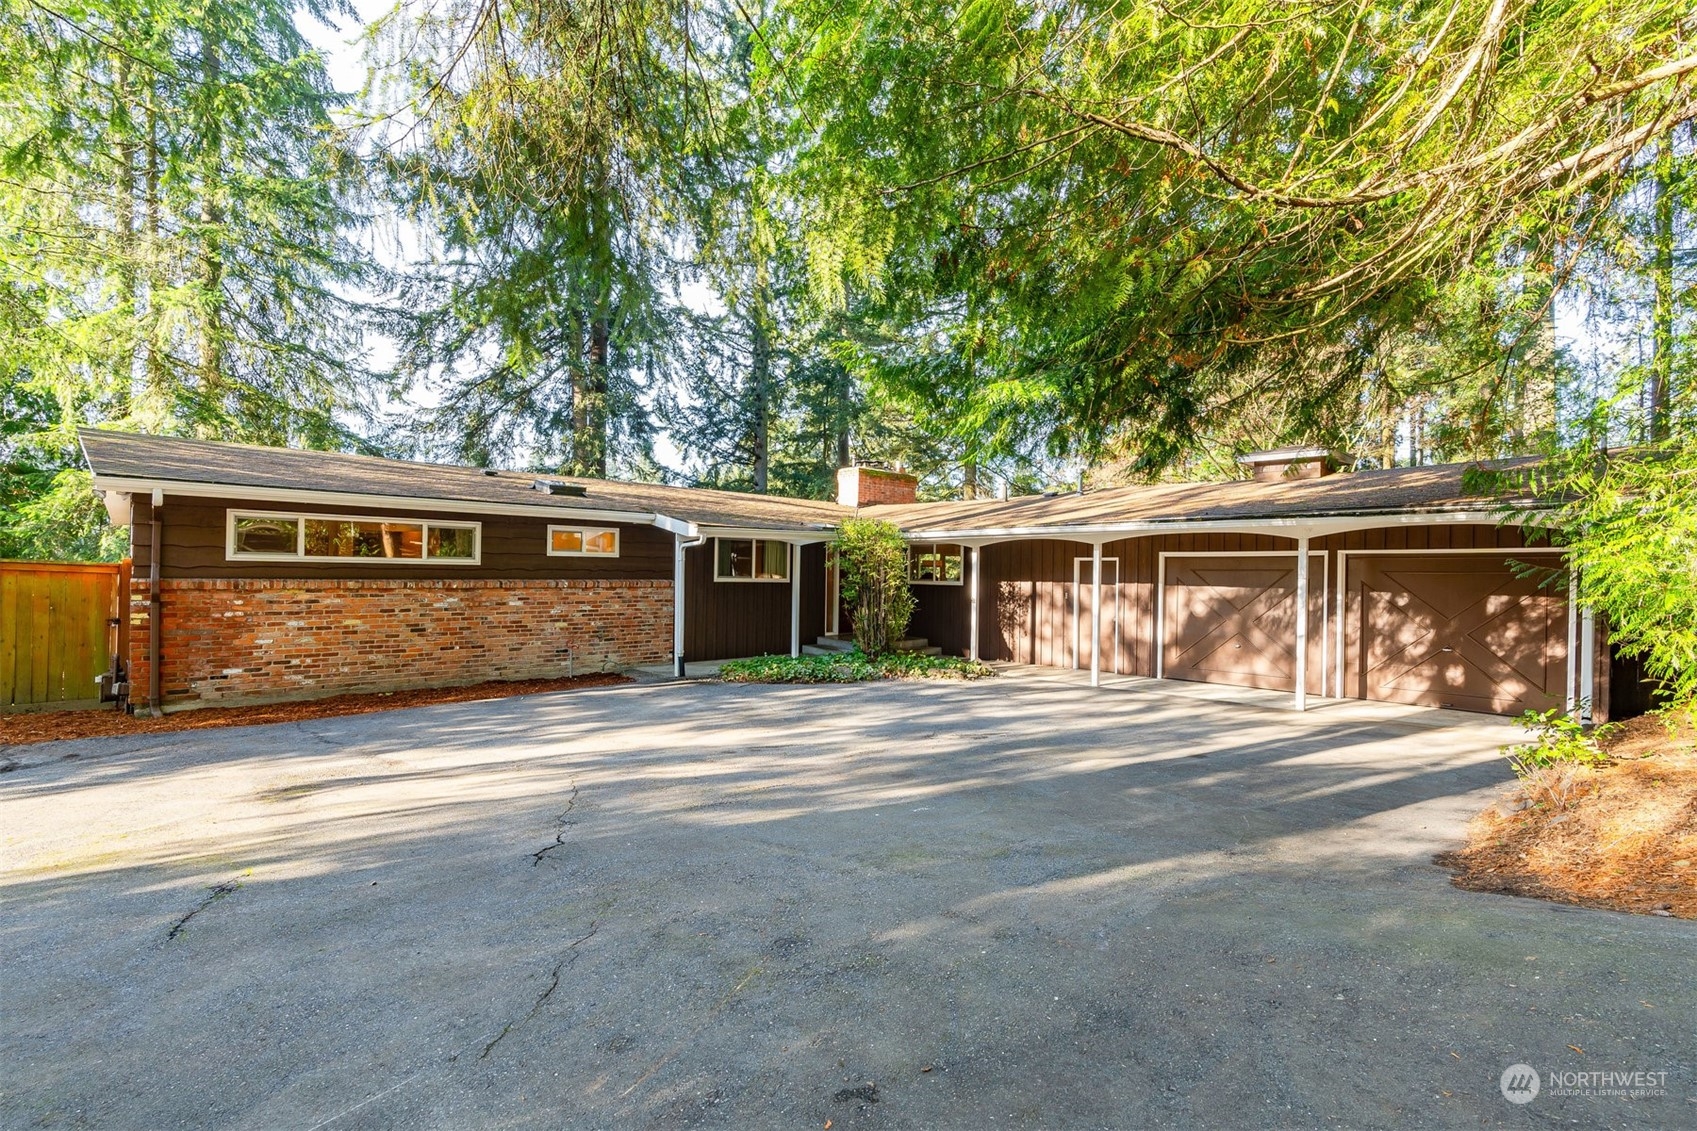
(582, 542)
(750, 559)
(279, 536)
(934, 563)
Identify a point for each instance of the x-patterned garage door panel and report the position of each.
(1233, 620)
(1459, 631)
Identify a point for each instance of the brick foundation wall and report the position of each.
(235, 641)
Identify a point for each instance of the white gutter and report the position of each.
(804, 537)
(353, 498)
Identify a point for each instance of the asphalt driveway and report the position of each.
(1013, 904)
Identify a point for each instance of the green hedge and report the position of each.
(851, 667)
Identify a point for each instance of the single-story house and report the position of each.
(265, 573)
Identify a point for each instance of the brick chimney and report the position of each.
(868, 486)
(1280, 464)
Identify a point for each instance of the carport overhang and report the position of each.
(688, 535)
(1300, 529)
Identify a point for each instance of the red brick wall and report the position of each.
(246, 640)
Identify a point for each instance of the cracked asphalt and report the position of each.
(1019, 903)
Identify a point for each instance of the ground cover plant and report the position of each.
(852, 667)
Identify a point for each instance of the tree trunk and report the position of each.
(211, 218)
(760, 405)
(126, 231)
(969, 480)
(155, 363)
(589, 404)
(1660, 391)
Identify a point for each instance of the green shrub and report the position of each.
(872, 560)
(1557, 738)
(851, 667)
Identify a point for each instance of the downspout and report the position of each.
(680, 544)
(155, 604)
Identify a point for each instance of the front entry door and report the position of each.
(1083, 593)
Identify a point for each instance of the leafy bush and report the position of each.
(1628, 519)
(851, 667)
(1558, 739)
(872, 559)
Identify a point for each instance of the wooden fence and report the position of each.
(57, 630)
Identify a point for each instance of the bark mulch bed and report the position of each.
(1622, 837)
(51, 726)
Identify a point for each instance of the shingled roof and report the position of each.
(121, 458)
(167, 460)
(1388, 491)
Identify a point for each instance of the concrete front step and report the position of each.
(840, 643)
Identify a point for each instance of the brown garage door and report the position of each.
(1233, 620)
(1453, 631)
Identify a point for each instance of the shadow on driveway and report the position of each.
(1016, 903)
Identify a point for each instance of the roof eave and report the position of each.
(198, 489)
(1320, 522)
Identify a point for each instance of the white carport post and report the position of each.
(1302, 623)
(1572, 639)
(685, 536)
(972, 634)
(1096, 614)
(795, 599)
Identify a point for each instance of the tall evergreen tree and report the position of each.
(1189, 210)
(545, 149)
(176, 214)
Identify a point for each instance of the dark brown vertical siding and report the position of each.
(727, 619)
(812, 592)
(514, 547)
(1026, 613)
(942, 614)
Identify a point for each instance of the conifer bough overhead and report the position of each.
(1185, 206)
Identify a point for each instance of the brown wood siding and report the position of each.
(942, 614)
(728, 619)
(812, 593)
(514, 548)
(1024, 601)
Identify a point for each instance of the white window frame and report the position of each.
(300, 554)
(784, 580)
(586, 532)
(912, 580)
